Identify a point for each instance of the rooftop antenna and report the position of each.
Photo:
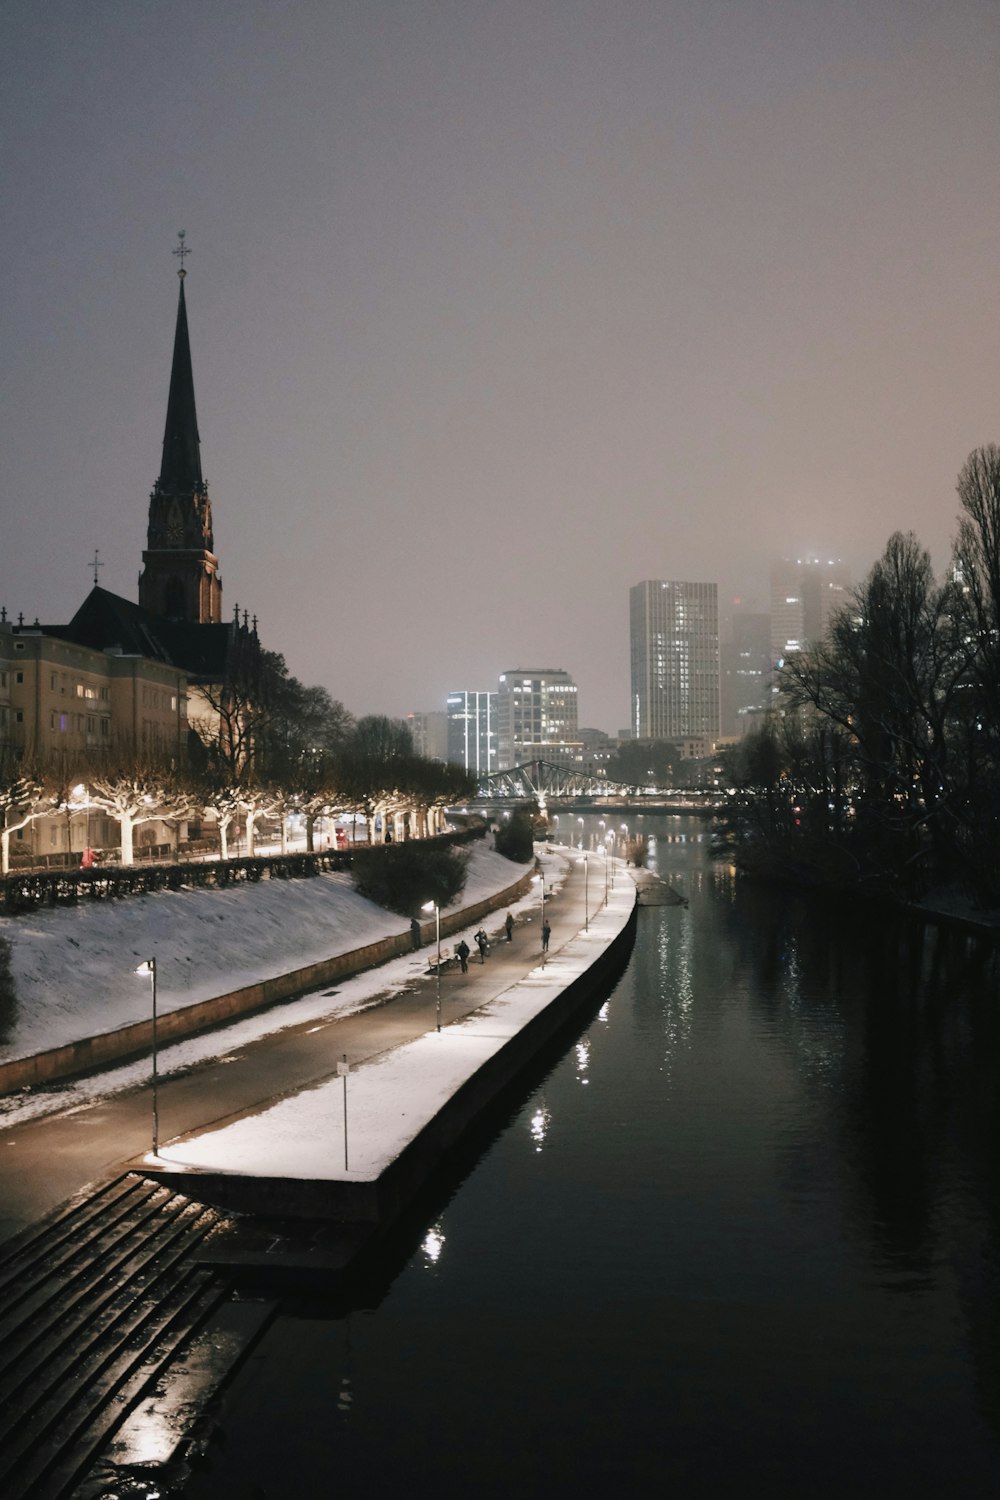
(96, 564)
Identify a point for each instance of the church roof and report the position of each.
(106, 621)
(180, 469)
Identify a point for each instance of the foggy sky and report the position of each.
(496, 309)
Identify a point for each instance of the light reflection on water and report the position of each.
(760, 1253)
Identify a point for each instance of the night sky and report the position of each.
(496, 308)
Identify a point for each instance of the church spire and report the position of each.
(180, 470)
(180, 577)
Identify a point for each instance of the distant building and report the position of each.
(674, 631)
(430, 734)
(472, 731)
(536, 717)
(64, 706)
(805, 592)
(745, 666)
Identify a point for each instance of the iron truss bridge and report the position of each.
(543, 780)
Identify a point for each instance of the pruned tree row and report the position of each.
(263, 747)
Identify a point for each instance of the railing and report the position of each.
(29, 890)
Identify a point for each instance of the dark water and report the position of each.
(741, 1237)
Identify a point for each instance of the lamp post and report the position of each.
(433, 906)
(586, 895)
(580, 821)
(625, 841)
(541, 881)
(149, 967)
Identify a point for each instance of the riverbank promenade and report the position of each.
(48, 1160)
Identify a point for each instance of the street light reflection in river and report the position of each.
(538, 1125)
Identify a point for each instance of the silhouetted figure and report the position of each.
(546, 934)
(463, 952)
(415, 932)
(483, 944)
(509, 926)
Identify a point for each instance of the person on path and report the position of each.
(463, 951)
(546, 934)
(415, 932)
(483, 944)
(509, 926)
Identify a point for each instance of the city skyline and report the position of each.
(494, 314)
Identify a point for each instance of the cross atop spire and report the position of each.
(181, 251)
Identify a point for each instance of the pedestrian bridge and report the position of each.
(546, 782)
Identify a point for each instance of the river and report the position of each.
(740, 1235)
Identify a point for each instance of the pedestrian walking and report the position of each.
(509, 926)
(483, 944)
(546, 934)
(463, 951)
(415, 932)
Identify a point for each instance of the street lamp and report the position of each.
(541, 881)
(433, 906)
(149, 967)
(580, 821)
(625, 841)
(586, 895)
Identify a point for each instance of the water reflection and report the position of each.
(765, 1251)
(433, 1244)
(539, 1125)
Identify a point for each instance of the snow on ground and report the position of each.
(61, 999)
(74, 967)
(392, 1097)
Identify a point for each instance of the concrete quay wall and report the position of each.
(136, 1040)
(369, 1207)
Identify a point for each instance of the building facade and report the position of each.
(537, 717)
(745, 665)
(65, 709)
(430, 734)
(472, 731)
(805, 592)
(674, 634)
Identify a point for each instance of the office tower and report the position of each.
(536, 716)
(675, 660)
(805, 592)
(745, 659)
(430, 734)
(472, 731)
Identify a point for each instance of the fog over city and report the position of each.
(495, 309)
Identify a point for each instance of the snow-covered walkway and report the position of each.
(73, 968)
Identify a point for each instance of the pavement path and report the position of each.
(45, 1161)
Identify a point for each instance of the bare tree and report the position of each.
(24, 797)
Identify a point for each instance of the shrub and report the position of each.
(402, 877)
(515, 838)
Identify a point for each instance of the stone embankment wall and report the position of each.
(136, 1040)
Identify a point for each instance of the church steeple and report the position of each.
(180, 470)
(180, 577)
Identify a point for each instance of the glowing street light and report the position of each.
(433, 906)
(586, 895)
(580, 821)
(149, 967)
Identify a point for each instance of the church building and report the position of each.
(141, 675)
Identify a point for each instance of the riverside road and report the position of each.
(44, 1162)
